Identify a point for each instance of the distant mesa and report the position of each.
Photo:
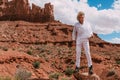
(20, 10)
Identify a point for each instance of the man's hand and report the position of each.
(74, 43)
(91, 37)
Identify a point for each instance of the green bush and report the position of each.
(69, 71)
(5, 49)
(118, 61)
(29, 52)
(54, 76)
(36, 64)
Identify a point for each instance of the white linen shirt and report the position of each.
(81, 31)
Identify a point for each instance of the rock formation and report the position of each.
(52, 43)
(13, 10)
(86, 76)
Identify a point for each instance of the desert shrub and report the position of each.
(29, 52)
(5, 78)
(48, 52)
(22, 74)
(72, 62)
(69, 71)
(111, 72)
(118, 61)
(54, 76)
(5, 49)
(36, 64)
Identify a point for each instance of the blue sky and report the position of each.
(103, 15)
(101, 5)
(110, 36)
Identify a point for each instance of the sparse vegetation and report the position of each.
(64, 79)
(69, 71)
(111, 72)
(54, 76)
(118, 61)
(5, 48)
(29, 52)
(55, 52)
(22, 74)
(36, 64)
(5, 78)
(48, 52)
(72, 62)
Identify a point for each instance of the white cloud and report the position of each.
(64, 10)
(83, 1)
(115, 40)
(106, 21)
(103, 21)
(99, 5)
(116, 4)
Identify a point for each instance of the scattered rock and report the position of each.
(86, 76)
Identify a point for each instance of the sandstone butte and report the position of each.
(21, 10)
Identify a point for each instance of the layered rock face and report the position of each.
(13, 10)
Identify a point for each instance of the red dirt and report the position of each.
(51, 44)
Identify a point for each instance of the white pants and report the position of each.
(85, 44)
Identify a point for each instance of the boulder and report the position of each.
(86, 76)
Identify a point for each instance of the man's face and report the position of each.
(81, 19)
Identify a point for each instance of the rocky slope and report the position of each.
(51, 44)
(45, 50)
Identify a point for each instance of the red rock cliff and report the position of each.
(20, 10)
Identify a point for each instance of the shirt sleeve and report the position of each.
(74, 33)
(90, 31)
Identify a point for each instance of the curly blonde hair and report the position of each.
(80, 14)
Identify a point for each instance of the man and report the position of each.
(81, 33)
